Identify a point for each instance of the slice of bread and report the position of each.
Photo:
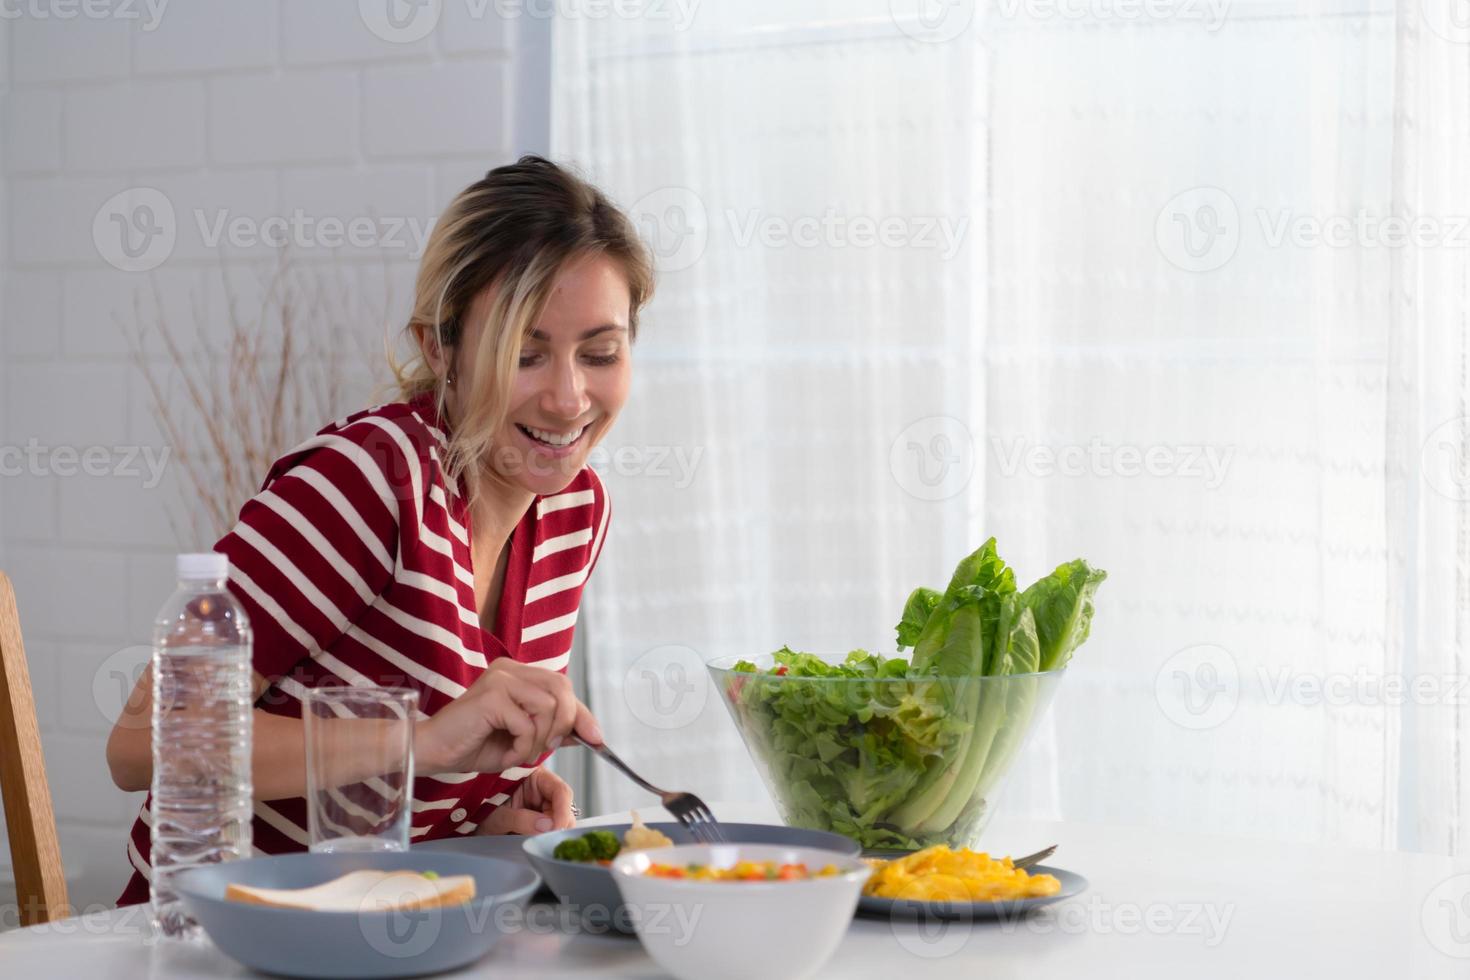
(363, 891)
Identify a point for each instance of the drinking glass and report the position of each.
(359, 767)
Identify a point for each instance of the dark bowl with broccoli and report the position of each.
(572, 862)
(599, 846)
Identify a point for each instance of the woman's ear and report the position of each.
(435, 354)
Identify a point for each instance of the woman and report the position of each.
(442, 541)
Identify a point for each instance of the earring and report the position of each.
(449, 379)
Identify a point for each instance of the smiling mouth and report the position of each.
(555, 440)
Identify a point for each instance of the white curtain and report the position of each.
(1429, 433)
(1105, 286)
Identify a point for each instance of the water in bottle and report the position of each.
(201, 807)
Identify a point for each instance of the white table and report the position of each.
(1160, 905)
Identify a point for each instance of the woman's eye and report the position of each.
(601, 358)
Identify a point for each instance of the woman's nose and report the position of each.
(567, 395)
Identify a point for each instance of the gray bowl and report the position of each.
(590, 891)
(353, 944)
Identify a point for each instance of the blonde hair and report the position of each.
(515, 229)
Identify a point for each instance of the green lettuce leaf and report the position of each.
(1062, 605)
(916, 613)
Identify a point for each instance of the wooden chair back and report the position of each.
(35, 854)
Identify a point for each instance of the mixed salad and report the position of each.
(742, 871)
(901, 752)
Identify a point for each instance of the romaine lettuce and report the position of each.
(899, 752)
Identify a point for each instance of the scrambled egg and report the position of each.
(938, 874)
(641, 837)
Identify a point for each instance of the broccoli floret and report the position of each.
(603, 843)
(573, 849)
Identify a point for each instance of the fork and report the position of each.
(1021, 863)
(686, 808)
(1037, 858)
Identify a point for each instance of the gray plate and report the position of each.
(589, 889)
(502, 847)
(895, 908)
(353, 944)
(505, 847)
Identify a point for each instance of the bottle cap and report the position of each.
(206, 565)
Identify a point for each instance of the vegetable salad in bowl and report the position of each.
(908, 752)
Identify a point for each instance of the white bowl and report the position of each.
(776, 930)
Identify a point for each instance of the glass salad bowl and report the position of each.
(895, 761)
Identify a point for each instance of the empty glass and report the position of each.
(359, 767)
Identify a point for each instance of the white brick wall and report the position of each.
(134, 125)
(231, 110)
(404, 114)
(35, 298)
(287, 117)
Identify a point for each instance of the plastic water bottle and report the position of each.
(201, 734)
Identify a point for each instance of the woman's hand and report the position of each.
(542, 802)
(511, 716)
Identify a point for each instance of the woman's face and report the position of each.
(572, 380)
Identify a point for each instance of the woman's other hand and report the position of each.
(542, 802)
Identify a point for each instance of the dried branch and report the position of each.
(248, 398)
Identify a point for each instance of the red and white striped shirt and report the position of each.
(353, 563)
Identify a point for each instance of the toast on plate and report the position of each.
(363, 891)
